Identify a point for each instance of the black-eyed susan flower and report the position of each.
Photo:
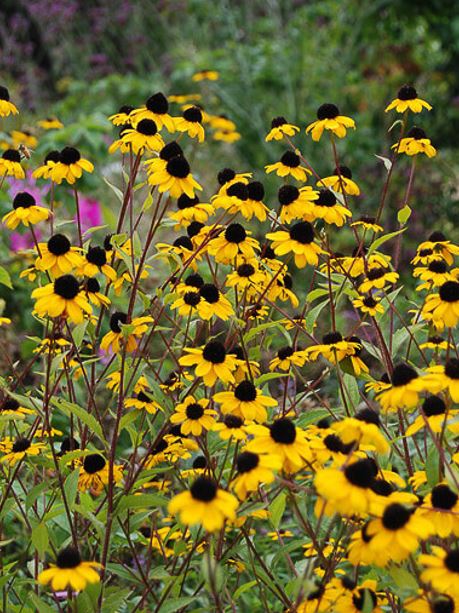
(221, 122)
(16, 450)
(377, 277)
(62, 298)
(191, 123)
(25, 211)
(369, 304)
(447, 378)
(280, 127)
(248, 279)
(234, 242)
(206, 504)
(437, 245)
(434, 416)
(431, 603)
(367, 223)
(360, 598)
(182, 247)
(95, 261)
(58, 257)
(407, 99)
(115, 340)
(254, 205)
(94, 473)
(403, 392)
(333, 348)
(286, 358)
(190, 209)
(187, 303)
(341, 181)
(329, 118)
(362, 430)
(245, 401)
(10, 164)
(10, 406)
(143, 402)
(94, 294)
(346, 491)
(194, 416)
(4, 321)
(205, 75)
(227, 177)
(231, 427)
(415, 142)
(23, 139)
(144, 137)
(6, 106)
(399, 530)
(441, 570)
(43, 171)
(437, 343)
(70, 166)
(281, 438)
(212, 363)
(441, 508)
(213, 303)
(294, 201)
(175, 178)
(123, 116)
(442, 308)
(289, 165)
(359, 551)
(254, 469)
(50, 123)
(226, 136)
(327, 208)
(299, 240)
(157, 109)
(282, 289)
(70, 572)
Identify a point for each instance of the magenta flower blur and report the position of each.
(90, 212)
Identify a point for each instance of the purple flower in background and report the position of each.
(19, 242)
(28, 185)
(90, 213)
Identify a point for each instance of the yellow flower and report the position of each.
(326, 207)
(191, 123)
(94, 474)
(4, 321)
(299, 240)
(446, 378)
(333, 348)
(231, 427)
(341, 181)
(246, 402)
(369, 304)
(6, 107)
(443, 308)
(157, 109)
(212, 363)
(362, 430)
(415, 142)
(407, 99)
(254, 469)
(144, 137)
(143, 402)
(403, 393)
(63, 298)
(69, 572)
(441, 570)
(115, 340)
(10, 164)
(205, 504)
(329, 118)
(433, 416)
(190, 209)
(50, 123)
(95, 261)
(10, 406)
(294, 202)
(367, 223)
(280, 128)
(24, 138)
(94, 295)
(58, 257)
(289, 165)
(377, 277)
(44, 171)
(233, 243)
(17, 450)
(25, 211)
(441, 508)
(206, 75)
(123, 116)
(213, 303)
(286, 358)
(70, 166)
(194, 416)
(175, 178)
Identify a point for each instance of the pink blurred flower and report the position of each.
(90, 213)
(19, 242)
(28, 185)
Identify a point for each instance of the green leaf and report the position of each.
(432, 466)
(175, 604)
(142, 501)
(5, 278)
(316, 293)
(71, 487)
(403, 215)
(34, 493)
(243, 588)
(39, 604)
(313, 315)
(40, 539)
(276, 509)
(383, 239)
(89, 420)
(403, 578)
(118, 193)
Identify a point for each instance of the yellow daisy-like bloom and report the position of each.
(355, 266)
(69, 572)
(226, 137)
(363, 431)
(434, 416)
(94, 295)
(4, 321)
(70, 166)
(441, 570)
(10, 406)
(300, 241)
(289, 165)
(359, 551)
(187, 304)
(234, 242)
(23, 138)
(25, 211)
(189, 210)
(175, 178)
(191, 123)
(282, 438)
(232, 427)
(377, 277)
(415, 142)
(294, 202)
(329, 118)
(241, 197)
(407, 99)
(428, 603)
(50, 123)
(245, 401)
(143, 402)
(205, 504)
(184, 98)
(164, 536)
(248, 279)
(326, 207)
(212, 363)
(213, 303)
(194, 416)
(10, 164)
(362, 597)
(17, 450)
(58, 257)
(144, 137)
(446, 378)
(94, 474)
(6, 107)
(437, 343)
(254, 469)
(63, 298)
(280, 128)
(403, 393)
(281, 290)
(369, 304)
(436, 245)
(367, 223)
(442, 309)
(399, 531)
(44, 171)
(348, 491)
(95, 261)
(221, 122)
(205, 75)
(115, 340)
(341, 181)
(441, 508)
(286, 358)
(157, 109)
(333, 348)
(123, 116)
